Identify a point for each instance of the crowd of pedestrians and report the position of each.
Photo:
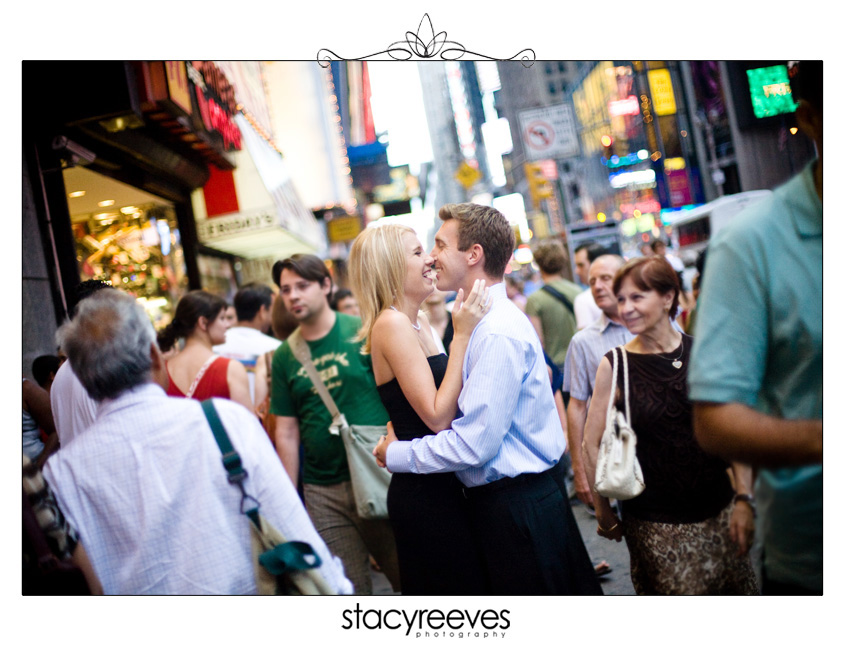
(493, 396)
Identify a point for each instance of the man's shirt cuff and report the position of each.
(398, 457)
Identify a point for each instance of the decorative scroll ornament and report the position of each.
(426, 44)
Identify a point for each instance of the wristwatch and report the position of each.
(749, 499)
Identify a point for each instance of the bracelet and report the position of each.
(609, 530)
(749, 499)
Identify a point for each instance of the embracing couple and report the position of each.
(477, 500)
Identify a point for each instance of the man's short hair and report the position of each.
(87, 288)
(806, 81)
(487, 227)
(609, 256)
(339, 296)
(594, 250)
(550, 256)
(307, 266)
(43, 366)
(108, 343)
(249, 300)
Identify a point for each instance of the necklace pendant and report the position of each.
(677, 364)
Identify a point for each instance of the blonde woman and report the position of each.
(391, 276)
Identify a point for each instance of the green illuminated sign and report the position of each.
(770, 91)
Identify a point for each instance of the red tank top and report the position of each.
(212, 384)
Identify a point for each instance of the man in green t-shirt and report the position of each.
(302, 418)
(552, 316)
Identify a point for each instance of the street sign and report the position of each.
(467, 175)
(343, 229)
(549, 133)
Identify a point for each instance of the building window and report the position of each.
(552, 88)
(561, 66)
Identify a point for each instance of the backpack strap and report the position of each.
(560, 296)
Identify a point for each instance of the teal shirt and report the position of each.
(759, 342)
(347, 373)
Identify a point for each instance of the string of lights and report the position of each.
(345, 170)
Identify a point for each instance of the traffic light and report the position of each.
(540, 188)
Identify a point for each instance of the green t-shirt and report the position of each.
(348, 376)
(558, 322)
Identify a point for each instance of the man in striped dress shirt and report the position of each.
(506, 441)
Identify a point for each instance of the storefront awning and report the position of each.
(254, 211)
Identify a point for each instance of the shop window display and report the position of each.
(138, 252)
(129, 238)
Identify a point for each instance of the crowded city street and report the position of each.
(484, 347)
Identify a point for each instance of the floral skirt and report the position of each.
(698, 558)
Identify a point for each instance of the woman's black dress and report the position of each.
(427, 511)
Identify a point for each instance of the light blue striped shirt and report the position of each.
(507, 421)
(585, 351)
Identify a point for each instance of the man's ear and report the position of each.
(158, 369)
(475, 255)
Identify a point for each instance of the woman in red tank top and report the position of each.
(196, 371)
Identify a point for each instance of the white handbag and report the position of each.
(618, 474)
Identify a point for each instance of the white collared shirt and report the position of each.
(72, 406)
(585, 351)
(146, 490)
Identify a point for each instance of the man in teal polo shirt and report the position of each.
(756, 371)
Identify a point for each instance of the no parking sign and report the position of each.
(549, 132)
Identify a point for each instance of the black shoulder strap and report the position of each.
(556, 293)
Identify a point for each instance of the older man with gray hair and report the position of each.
(145, 487)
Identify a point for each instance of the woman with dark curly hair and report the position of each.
(688, 532)
(196, 371)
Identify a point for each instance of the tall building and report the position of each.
(443, 187)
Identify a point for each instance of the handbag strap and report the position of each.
(615, 362)
(285, 556)
(231, 460)
(611, 402)
(302, 353)
(199, 375)
(626, 386)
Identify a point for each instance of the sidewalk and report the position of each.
(617, 582)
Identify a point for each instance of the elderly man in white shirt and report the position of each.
(146, 488)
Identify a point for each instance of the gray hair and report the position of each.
(108, 343)
(612, 257)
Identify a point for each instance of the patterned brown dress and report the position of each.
(678, 529)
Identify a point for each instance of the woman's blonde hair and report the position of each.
(377, 270)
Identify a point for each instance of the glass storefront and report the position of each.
(128, 238)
